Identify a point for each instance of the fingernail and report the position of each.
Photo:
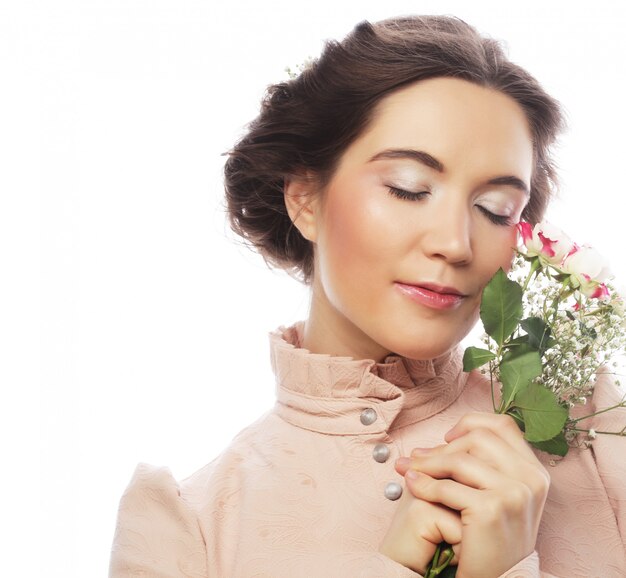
(420, 451)
(412, 474)
(403, 462)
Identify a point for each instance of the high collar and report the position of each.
(327, 393)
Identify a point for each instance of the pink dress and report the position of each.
(304, 491)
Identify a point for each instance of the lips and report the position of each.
(432, 295)
(443, 290)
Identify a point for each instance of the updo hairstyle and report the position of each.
(306, 123)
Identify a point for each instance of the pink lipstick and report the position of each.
(431, 295)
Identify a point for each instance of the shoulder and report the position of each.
(154, 488)
(156, 529)
(153, 499)
(254, 450)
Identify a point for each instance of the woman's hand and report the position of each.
(416, 530)
(488, 474)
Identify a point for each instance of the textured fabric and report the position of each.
(298, 493)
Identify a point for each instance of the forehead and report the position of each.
(456, 121)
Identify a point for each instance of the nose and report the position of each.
(449, 235)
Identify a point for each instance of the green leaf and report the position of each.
(475, 357)
(501, 306)
(517, 369)
(538, 333)
(512, 343)
(551, 342)
(557, 445)
(544, 417)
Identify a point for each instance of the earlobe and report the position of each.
(301, 200)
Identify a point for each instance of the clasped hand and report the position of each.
(483, 492)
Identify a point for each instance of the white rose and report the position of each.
(546, 241)
(589, 271)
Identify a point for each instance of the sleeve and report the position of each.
(527, 568)
(361, 565)
(609, 451)
(157, 535)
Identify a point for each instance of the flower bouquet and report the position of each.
(551, 326)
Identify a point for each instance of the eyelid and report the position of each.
(508, 200)
(497, 210)
(502, 205)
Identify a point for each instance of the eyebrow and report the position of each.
(431, 162)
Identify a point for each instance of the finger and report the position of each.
(439, 524)
(485, 445)
(503, 426)
(417, 529)
(446, 492)
(529, 484)
(463, 468)
(492, 506)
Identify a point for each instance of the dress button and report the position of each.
(368, 416)
(381, 453)
(393, 490)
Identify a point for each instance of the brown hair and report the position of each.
(305, 124)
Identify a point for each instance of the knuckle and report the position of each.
(517, 498)
(487, 421)
(491, 509)
(541, 482)
(427, 488)
(510, 424)
(512, 502)
(478, 417)
(480, 435)
(425, 484)
(458, 457)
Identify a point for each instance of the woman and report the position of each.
(389, 177)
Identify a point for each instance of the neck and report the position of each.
(328, 331)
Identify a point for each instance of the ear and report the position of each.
(302, 202)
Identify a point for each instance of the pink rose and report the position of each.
(546, 241)
(589, 270)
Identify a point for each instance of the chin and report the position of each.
(423, 349)
(425, 339)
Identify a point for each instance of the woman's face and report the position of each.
(418, 216)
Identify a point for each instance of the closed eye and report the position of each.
(502, 220)
(407, 195)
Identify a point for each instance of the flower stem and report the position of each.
(533, 267)
(441, 560)
(611, 433)
(493, 399)
(576, 420)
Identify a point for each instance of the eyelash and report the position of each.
(501, 220)
(402, 194)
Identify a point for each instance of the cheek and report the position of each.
(358, 237)
(495, 251)
(508, 248)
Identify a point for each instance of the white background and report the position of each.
(132, 328)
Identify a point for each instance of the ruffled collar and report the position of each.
(325, 393)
